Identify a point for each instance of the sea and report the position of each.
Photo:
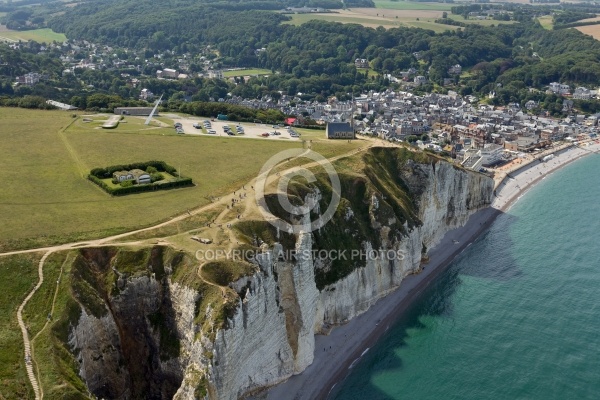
(515, 316)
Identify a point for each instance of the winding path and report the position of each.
(111, 240)
(26, 342)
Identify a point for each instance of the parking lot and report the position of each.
(250, 130)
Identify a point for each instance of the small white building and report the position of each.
(167, 73)
(420, 80)
(582, 93)
(560, 88)
(146, 94)
(215, 74)
(455, 69)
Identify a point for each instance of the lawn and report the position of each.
(46, 197)
(247, 72)
(39, 35)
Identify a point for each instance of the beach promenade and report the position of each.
(336, 352)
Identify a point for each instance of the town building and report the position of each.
(339, 130)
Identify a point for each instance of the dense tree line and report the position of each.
(315, 59)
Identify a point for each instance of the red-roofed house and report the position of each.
(291, 121)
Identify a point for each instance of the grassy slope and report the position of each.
(46, 35)
(50, 199)
(546, 22)
(18, 276)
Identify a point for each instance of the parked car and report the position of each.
(212, 132)
(177, 125)
(196, 125)
(266, 134)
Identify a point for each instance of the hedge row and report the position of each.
(119, 191)
(107, 172)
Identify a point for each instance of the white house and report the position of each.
(531, 104)
(420, 80)
(455, 69)
(560, 88)
(146, 94)
(582, 93)
(361, 63)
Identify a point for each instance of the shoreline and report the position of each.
(346, 344)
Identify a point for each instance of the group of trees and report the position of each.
(315, 59)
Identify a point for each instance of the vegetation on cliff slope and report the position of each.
(373, 193)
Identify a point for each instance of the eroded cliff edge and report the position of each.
(149, 323)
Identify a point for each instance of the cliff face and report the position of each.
(156, 334)
(443, 197)
(446, 198)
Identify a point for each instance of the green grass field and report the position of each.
(46, 197)
(19, 274)
(483, 22)
(546, 22)
(246, 72)
(299, 19)
(39, 35)
(410, 5)
(410, 22)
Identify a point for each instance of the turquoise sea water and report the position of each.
(517, 314)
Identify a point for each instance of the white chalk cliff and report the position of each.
(282, 306)
(268, 343)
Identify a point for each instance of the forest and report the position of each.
(315, 58)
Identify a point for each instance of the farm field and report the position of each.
(590, 20)
(39, 35)
(592, 30)
(411, 5)
(246, 72)
(387, 19)
(50, 200)
(483, 22)
(391, 18)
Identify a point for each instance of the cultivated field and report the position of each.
(39, 35)
(392, 18)
(46, 155)
(410, 5)
(385, 20)
(592, 30)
